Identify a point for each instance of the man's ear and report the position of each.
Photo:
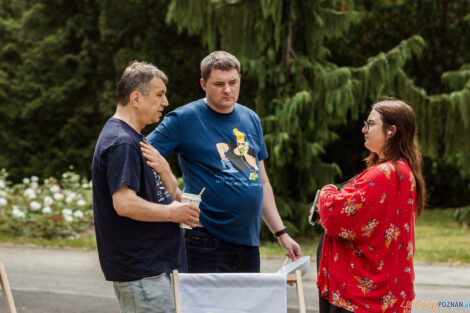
(134, 97)
(203, 84)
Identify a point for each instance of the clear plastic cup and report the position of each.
(191, 199)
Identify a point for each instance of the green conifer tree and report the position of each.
(301, 96)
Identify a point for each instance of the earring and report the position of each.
(390, 132)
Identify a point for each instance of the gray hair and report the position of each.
(218, 60)
(137, 77)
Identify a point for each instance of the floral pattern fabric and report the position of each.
(367, 256)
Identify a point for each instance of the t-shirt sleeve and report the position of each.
(123, 167)
(263, 153)
(165, 138)
(354, 211)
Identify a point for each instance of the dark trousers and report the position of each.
(325, 306)
(208, 254)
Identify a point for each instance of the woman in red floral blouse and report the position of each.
(367, 256)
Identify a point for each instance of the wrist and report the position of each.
(281, 232)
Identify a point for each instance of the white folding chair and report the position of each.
(6, 290)
(234, 292)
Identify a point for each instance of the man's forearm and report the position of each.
(270, 212)
(170, 182)
(127, 203)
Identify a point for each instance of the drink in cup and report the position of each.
(191, 199)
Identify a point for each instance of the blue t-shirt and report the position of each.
(220, 152)
(129, 249)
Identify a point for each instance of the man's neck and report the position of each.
(124, 113)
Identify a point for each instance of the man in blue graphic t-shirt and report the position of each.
(220, 147)
(136, 220)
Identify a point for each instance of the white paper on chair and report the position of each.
(233, 293)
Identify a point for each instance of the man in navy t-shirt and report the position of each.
(136, 220)
(220, 147)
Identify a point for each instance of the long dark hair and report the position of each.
(403, 144)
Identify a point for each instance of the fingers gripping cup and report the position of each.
(191, 199)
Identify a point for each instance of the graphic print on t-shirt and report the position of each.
(162, 193)
(237, 157)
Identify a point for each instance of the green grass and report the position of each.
(439, 239)
(85, 241)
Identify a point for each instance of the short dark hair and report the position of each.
(137, 77)
(218, 60)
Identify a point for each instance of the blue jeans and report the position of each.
(149, 294)
(208, 254)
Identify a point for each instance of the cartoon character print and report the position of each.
(237, 156)
(368, 229)
(365, 284)
(391, 234)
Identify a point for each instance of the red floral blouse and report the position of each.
(367, 257)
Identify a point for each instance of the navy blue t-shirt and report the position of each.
(129, 249)
(220, 152)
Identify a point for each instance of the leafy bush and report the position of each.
(52, 209)
(462, 215)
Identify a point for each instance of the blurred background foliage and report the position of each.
(311, 70)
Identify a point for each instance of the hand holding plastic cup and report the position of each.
(191, 199)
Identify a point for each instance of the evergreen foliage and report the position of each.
(59, 63)
(301, 96)
(311, 68)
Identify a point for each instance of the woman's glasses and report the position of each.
(368, 124)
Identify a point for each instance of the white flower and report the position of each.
(68, 218)
(46, 181)
(2, 184)
(78, 214)
(25, 180)
(54, 188)
(69, 199)
(3, 193)
(29, 190)
(81, 202)
(85, 186)
(35, 206)
(46, 210)
(66, 212)
(34, 178)
(65, 175)
(48, 201)
(3, 202)
(58, 196)
(30, 193)
(18, 213)
(34, 185)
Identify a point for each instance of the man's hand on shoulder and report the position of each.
(154, 159)
(291, 246)
(184, 213)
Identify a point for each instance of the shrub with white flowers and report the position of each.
(53, 209)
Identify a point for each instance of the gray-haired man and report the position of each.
(136, 220)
